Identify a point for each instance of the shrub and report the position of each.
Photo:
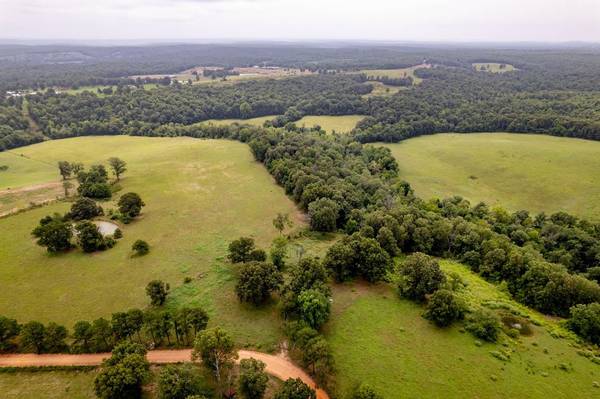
(157, 291)
(358, 256)
(278, 252)
(420, 275)
(257, 281)
(89, 237)
(179, 382)
(585, 322)
(258, 255)
(85, 208)
(444, 308)
(96, 190)
(253, 379)
(140, 247)
(240, 250)
(54, 233)
(323, 214)
(295, 389)
(118, 234)
(364, 391)
(314, 307)
(484, 325)
(130, 204)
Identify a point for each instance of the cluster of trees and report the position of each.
(14, 128)
(151, 327)
(56, 232)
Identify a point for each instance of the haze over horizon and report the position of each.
(287, 20)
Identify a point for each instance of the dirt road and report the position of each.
(276, 365)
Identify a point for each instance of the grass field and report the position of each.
(532, 172)
(252, 121)
(48, 385)
(200, 194)
(397, 73)
(493, 67)
(382, 340)
(339, 124)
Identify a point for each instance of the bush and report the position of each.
(253, 379)
(130, 204)
(240, 250)
(157, 291)
(257, 281)
(54, 233)
(484, 325)
(444, 308)
(420, 275)
(118, 234)
(323, 214)
(89, 237)
(258, 255)
(357, 255)
(314, 307)
(364, 391)
(85, 208)
(179, 382)
(96, 190)
(278, 252)
(140, 247)
(295, 389)
(585, 322)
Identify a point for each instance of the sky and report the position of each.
(297, 20)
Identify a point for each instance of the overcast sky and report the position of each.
(411, 20)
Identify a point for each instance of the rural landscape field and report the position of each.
(333, 201)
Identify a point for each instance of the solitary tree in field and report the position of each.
(118, 167)
(140, 247)
(282, 221)
(64, 167)
(157, 291)
(130, 204)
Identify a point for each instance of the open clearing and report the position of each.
(200, 195)
(252, 121)
(397, 73)
(493, 67)
(339, 124)
(532, 172)
(382, 340)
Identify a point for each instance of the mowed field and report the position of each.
(199, 194)
(517, 171)
(397, 73)
(259, 121)
(380, 339)
(493, 67)
(339, 124)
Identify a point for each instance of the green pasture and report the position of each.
(516, 171)
(200, 195)
(339, 124)
(493, 67)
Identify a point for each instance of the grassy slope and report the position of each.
(533, 172)
(494, 67)
(341, 124)
(382, 340)
(397, 73)
(252, 121)
(200, 194)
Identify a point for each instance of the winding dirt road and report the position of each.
(276, 365)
